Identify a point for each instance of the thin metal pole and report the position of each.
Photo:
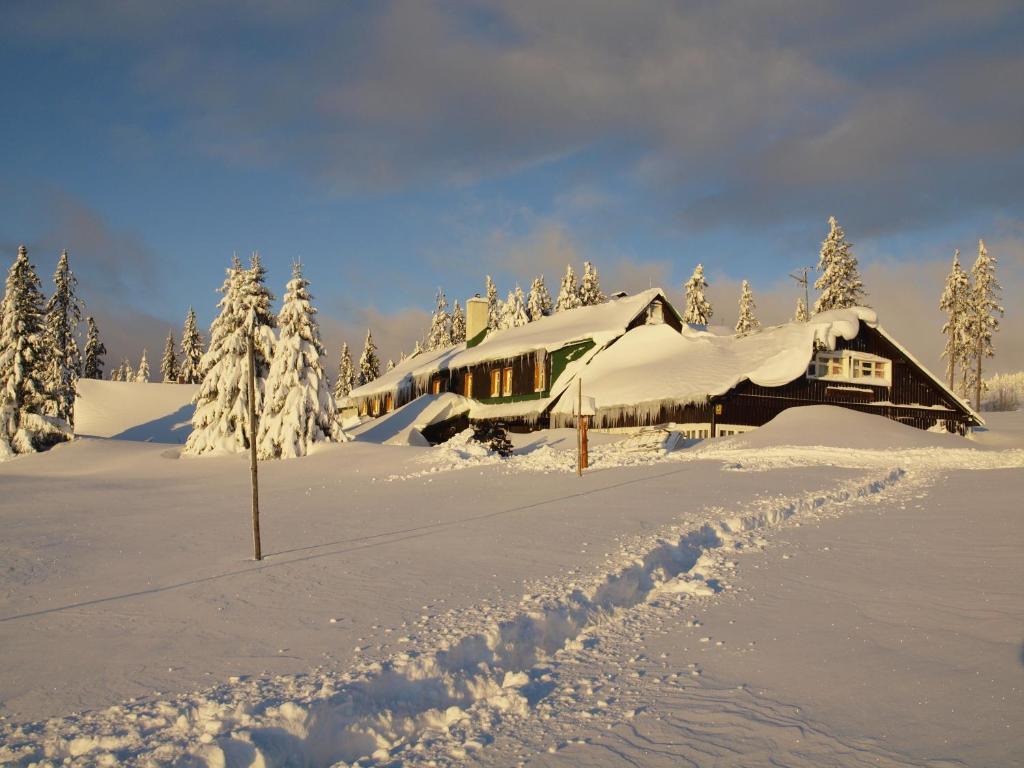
(257, 554)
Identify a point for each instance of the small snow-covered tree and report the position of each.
(983, 322)
(391, 364)
(369, 365)
(343, 383)
(298, 408)
(64, 360)
(568, 292)
(493, 305)
(190, 370)
(221, 419)
(840, 282)
(747, 322)
(458, 324)
(142, 375)
(417, 348)
(92, 367)
(25, 404)
(590, 286)
(539, 302)
(127, 372)
(169, 362)
(440, 334)
(955, 302)
(801, 311)
(117, 374)
(698, 308)
(514, 310)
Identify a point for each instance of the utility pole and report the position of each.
(257, 554)
(801, 277)
(579, 427)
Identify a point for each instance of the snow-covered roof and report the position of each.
(600, 323)
(652, 365)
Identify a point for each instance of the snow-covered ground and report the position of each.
(833, 589)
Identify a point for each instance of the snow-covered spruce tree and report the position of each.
(955, 302)
(391, 364)
(698, 308)
(127, 372)
(92, 367)
(417, 348)
(369, 365)
(343, 383)
(169, 362)
(513, 313)
(801, 311)
(493, 305)
(539, 302)
(440, 334)
(298, 409)
(25, 404)
(221, 419)
(458, 324)
(840, 282)
(142, 375)
(64, 360)
(590, 286)
(190, 369)
(747, 322)
(117, 374)
(984, 314)
(568, 292)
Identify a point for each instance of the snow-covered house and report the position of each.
(643, 366)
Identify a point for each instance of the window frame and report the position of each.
(467, 384)
(506, 381)
(496, 382)
(851, 366)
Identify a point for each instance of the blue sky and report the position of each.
(396, 147)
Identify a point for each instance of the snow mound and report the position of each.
(402, 426)
(154, 413)
(835, 427)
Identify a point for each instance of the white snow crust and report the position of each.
(160, 413)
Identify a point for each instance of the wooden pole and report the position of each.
(257, 554)
(579, 427)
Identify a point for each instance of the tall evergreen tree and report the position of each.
(698, 308)
(458, 324)
(142, 375)
(514, 311)
(440, 334)
(369, 365)
(190, 370)
(92, 367)
(221, 419)
(64, 360)
(985, 312)
(801, 311)
(840, 282)
(493, 305)
(169, 362)
(343, 383)
(539, 302)
(298, 410)
(747, 322)
(568, 292)
(590, 287)
(955, 302)
(25, 425)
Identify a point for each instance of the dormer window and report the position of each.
(847, 365)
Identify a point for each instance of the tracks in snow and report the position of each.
(444, 702)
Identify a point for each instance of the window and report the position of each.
(496, 382)
(506, 381)
(467, 384)
(389, 403)
(435, 386)
(376, 406)
(538, 375)
(362, 408)
(847, 365)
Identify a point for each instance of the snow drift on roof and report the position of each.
(654, 364)
(602, 323)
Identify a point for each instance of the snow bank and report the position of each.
(158, 413)
(401, 426)
(653, 364)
